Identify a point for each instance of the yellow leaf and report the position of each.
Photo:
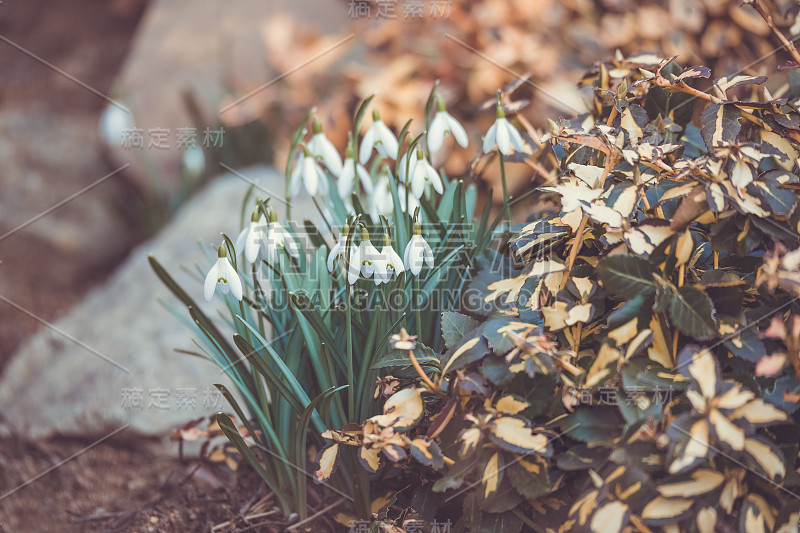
(684, 248)
(771, 463)
(369, 458)
(403, 410)
(703, 369)
(510, 405)
(707, 520)
(610, 518)
(701, 482)
(725, 430)
(490, 478)
(696, 447)
(515, 435)
(469, 439)
(661, 508)
(624, 333)
(458, 353)
(327, 463)
(630, 125)
(759, 412)
(599, 369)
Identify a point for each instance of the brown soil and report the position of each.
(122, 486)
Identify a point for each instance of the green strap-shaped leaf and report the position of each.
(229, 428)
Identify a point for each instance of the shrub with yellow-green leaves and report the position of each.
(636, 365)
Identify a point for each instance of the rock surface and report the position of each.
(110, 361)
(204, 48)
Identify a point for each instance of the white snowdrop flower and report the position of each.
(277, 238)
(354, 265)
(337, 252)
(193, 161)
(224, 276)
(337, 255)
(417, 172)
(380, 137)
(307, 173)
(442, 125)
(503, 134)
(418, 251)
(352, 171)
(323, 150)
(381, 201)
(249, 240)
(388, 264)
(367, 254)
(116, 125)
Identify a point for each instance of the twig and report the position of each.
(422, 375)
(316, 515)
(778, 33)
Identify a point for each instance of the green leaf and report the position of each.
(593, 424)
(529, 476)
(454, 477)
(465, 352)
(229, 428)
(720, 124)
(399, 358)
(627, 276)
(427, 452)
(507, 522)
(455, 326)
(692, 312)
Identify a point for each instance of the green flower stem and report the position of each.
(506, 203)
(351, 402)
(417, 310)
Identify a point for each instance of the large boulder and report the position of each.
(111, 361)
(202, 48)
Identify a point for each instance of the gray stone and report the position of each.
(73, 378)
(204, 48)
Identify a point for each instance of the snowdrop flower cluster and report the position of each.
(366, 261)
(262, 238)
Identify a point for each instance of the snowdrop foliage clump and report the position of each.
(312, 308)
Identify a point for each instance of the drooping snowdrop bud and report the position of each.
(249, 240)
(418, 251)
(503, 134)
(277, 238)
(388, 264)
(380, 137)
(323, 150)
(307, 173)
(441, 126)
(224, 276)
